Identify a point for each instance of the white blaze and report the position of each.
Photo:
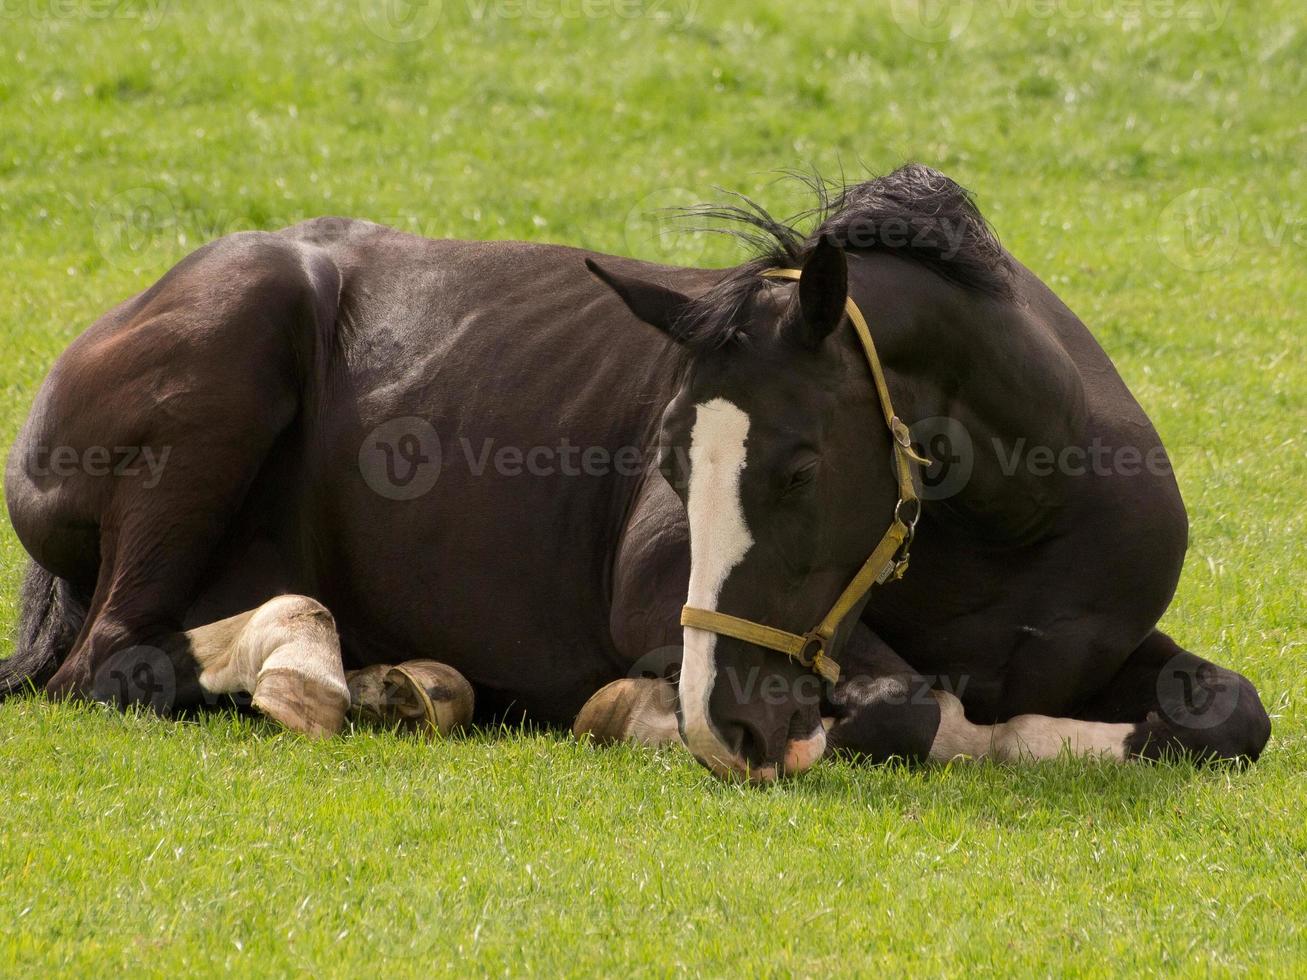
(719, 539)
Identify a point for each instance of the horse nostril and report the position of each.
(747, 743)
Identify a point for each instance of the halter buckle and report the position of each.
(900, 431)
(903, 436)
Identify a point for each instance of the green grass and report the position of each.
(1091, 138)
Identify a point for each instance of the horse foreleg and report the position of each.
(881, 708)
(1181, 704)
(1024, 738)
(884, 709)
(639, 710)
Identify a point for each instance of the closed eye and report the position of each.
(801, 477)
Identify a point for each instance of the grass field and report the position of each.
(1147, 159)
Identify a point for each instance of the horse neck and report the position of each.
(983, 383)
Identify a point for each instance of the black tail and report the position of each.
(50, 615)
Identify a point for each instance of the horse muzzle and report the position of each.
(728, 759)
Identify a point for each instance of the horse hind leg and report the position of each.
(202, 377)
(285, 653)
(419, 696)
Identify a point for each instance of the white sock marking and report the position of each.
(1023, 738)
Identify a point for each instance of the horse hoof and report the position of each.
(641, 710)
(301, 703)
(367, 693)
(422, 696)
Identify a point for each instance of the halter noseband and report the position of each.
(889, 559)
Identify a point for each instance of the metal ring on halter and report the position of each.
(810, 639)
(916, 513)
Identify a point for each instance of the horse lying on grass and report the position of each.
(378, 449)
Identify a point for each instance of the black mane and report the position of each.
(915, 212)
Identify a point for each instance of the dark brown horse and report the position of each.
(451, 446)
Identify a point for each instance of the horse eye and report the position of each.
(801, 477)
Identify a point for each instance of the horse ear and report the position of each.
(823, 291)
(656, 305)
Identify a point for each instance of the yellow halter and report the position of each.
(889, 559)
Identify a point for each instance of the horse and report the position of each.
(487, 478)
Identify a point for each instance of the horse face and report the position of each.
(771, 444)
